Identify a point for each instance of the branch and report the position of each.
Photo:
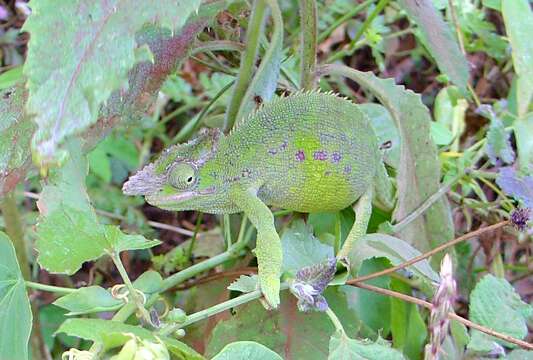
(451, 315)
(428, 254)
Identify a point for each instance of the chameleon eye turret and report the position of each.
(182, 176)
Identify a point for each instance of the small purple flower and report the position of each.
(309, 284)
(300, 155)
(520, 218)
(320, 155)
(336, 157)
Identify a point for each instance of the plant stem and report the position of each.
(15, 231)
(356, 10)
(335, 320)
(308, 43)
(450, 315)
(218, 45)
(255, 28)
(49, 288)
(429, 253)
(195, 235)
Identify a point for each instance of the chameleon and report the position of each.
(307, 152)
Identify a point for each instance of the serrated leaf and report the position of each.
(495, 304)
(88, 300)
(499, 147)
(341, 347)
(15, 137)
(68, 231)
(515, 185)
(439, 39)
(15, 312)
(392, 248)
(301, 248)
(244, 284)
(419, 174)
(518, 19)
(246, 350)
(385, 130)
(94, 48)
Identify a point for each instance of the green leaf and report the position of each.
(523, 128)
(15, 311)
(301, 248)
(88, 300)
(246, 350)
(386, 131)
(288, 332)
(519, 354)
(449, 111)
(499, 147)
(392, 248)
(419, 174)
(440, 134)
(495, 304)
(11, 78)
(341, 347)
(68, 231)
(439, 39)
(518, 19)
(94, 49)
(245, 284)
(15, 137)
(149, 282)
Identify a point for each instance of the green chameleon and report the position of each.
(308, 152)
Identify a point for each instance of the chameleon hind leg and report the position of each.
(268, 247)
(363, 210)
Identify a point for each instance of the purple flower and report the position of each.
(309, 284)
(520, 218)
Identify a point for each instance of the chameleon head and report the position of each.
(173, 181)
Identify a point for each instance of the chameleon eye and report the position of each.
(182, 176)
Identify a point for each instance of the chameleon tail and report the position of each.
(269, 259)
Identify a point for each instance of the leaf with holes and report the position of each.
(90, 47)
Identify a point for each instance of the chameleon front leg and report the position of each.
(268, 248)
(363, 210)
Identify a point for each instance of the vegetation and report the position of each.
(91, 91)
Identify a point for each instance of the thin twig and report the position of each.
(451, 315)
(110, 215)
(429, 253)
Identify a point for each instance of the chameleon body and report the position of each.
(307, 152)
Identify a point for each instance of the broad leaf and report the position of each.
(245, 284)
(149, 282)
(113, 334)
(341, 347)
(68, 232)
(392, 248)
(15, 137)
(301, 248)
(386, 131)
(518, 19)
(15, 311)
(94, 47)
(439, 39)
(523, 128)
(515, 185)
(288, 332)
(419, 174)
(246, 350)
(88, 300)
(495, 304)
(499, 143)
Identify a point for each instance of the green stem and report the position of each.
(354, 43)
(227, 230)
(195, 235)
(49, 288)
(218, 45)
(356, 10)
(335, 320)
(308, 45)
(255, 28)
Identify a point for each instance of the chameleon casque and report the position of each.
(307, 152)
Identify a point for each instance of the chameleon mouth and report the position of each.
(170, 201)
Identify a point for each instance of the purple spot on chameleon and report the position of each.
(320, 155)
(336, 157)
(272, 151)
(283, 145)
(347, 169)
(300, 155)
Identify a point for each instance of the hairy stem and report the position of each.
(255, 28)
(308, 44)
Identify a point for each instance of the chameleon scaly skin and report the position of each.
(307, 152)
